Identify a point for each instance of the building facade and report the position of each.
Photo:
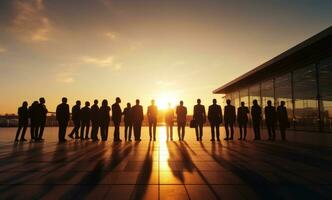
(301, 76)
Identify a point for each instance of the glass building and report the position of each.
(301, 76)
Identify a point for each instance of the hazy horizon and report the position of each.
(146, 49)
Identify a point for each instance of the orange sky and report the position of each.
(165, 50)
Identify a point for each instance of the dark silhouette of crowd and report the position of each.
(99, 118)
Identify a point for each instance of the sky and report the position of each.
(148, 49)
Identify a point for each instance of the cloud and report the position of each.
(112, 35)
(3, 50)
(65, 77)
(30, 22)
(107, 62)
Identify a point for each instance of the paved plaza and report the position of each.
(163, 170)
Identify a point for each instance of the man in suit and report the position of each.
(242, 119)
(169, 120)
(128, 122)
(137, 117)
(282, 119)
(200, 118)
(229, 118)
(116, 118)
(62, 116)
(256, 116)
(76, 118)
(23, 121)
(104, 119)
(181, 118)
(34, 120)
(42, 114)
(152, 117)
(215, 119)
(270, 119)
(85, 120)
(94, 115)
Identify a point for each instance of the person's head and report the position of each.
(228, 101)
(128, 105)
(87, 104)
(118, 100)
(269, 102)
(25, 104)
(282, 103)
(152, 102)
(42, 100)
(104, 102)
(64, 100)
(198, 101)
(35, 103)
(95, 102)
(181, 103)
(242, 103)
(254, 102)
(78, 102)
(214, 101)
(137, 101)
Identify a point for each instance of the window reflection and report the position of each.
(325, 75)
(283, 92)
(305, 98)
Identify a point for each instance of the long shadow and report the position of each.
(144, 175)
(262, 187)
(103, 167)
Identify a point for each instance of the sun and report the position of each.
(163, 101)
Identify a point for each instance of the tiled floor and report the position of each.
(163, 170)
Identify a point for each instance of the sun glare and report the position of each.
(165, 99)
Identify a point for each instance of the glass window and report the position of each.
(305, 98)
(235, 99)
(283, 92)
(244, 97)
(267, 92)
(325, 83)
(254, 93)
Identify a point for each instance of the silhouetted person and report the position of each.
(229, 118)
(169, 119)
(181, 118)
(34, 120)
(152, 118)
(127, 113)
(94, 115)
(62, 116)
(104, 119)
(215, 119)
(137, 117)
(282, 119)
(200, 118)
(85, 120)
(76, 118)
(256, 116)
(242, 120)
(116, 118)
(42, 114)
(270, 119)
(23, 121)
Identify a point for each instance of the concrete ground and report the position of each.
(163, 170)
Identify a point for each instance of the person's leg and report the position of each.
(240, 128)
(41, 131)
(106, 131)
(32, 131)
(82, 130)
(87, 129)
(18, 132)
(244, 131)
(273, 132)
(167, 132)
(130, 130)
(226, 130)
(283, 133)
(23, 133)
(154, 130)
(201, 131)
(126, 131)
(218, 132)
(196, 131)
(36, 133)
(232, 130)
(179, 129)
(212, 132)
(139, 131)
(60, 133)
(150, 130)
(183, 131)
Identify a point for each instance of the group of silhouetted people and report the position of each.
(100, 117)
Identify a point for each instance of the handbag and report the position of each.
(192, 123)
